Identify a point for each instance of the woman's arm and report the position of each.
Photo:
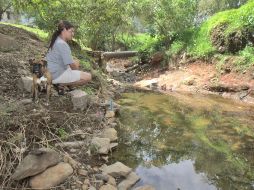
(75, 65)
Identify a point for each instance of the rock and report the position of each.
(87, 182)
(110, 133)
(92, 188)
(191, 80)
(82, 172)
(76, 144)
(130, 181)
(84, 187)
(145, 187)
(52, 176)
(117, 169)
(100, 145)
(25, 84)
(102, 177)
(113, 145)
(23, 72)
(110, 114)
(111, 180)
(79, 99)
(74, 164)
(108, 187)
(113, 125)
(26, 101)
(36, 162)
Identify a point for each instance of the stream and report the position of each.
(187, 142)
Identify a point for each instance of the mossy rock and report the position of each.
(229, 42)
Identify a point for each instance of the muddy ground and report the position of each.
(25, 125)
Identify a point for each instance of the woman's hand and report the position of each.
(75, 65)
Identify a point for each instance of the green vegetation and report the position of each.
(235, 20)
(43, 35)
(173, 27)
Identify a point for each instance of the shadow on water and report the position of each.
(187, 142)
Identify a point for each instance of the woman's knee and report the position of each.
(86, 76)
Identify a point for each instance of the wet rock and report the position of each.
(145, 187)
(79, 99)
(100, 145)
(117, 169)
(25, 84)
(108, 187)
(128, 182)
(110, 114)
(36, 162)
(110, 133)
(52, 176)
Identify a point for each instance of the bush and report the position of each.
(240, 19)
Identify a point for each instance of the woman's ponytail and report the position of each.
(63, 24)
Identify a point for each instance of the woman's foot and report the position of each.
(59, 88)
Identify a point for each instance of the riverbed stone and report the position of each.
(100, 145)
(131, 180)
(110, 114)
(25, 84)
(79, 99)
(145, 187)
(111, 180)
(82, 172)
(108, 187)
(51, 177)
(36, 162)
(117, 169)
(110, 133)
(103, 177)
(113, 145)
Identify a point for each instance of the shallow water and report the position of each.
(187, 142)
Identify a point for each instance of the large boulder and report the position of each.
(51, 177)
(117, 169)
(25, 84)
(36, 162)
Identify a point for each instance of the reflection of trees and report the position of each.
(152, 142)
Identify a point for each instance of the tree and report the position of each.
(4, 6)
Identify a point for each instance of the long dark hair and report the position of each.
(63, 24)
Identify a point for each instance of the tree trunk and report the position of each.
(120, 54)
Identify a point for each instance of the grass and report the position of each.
(40, 33)
(236, 19)
(139, 42)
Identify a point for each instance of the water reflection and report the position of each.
(181, 143)
(173, 177)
